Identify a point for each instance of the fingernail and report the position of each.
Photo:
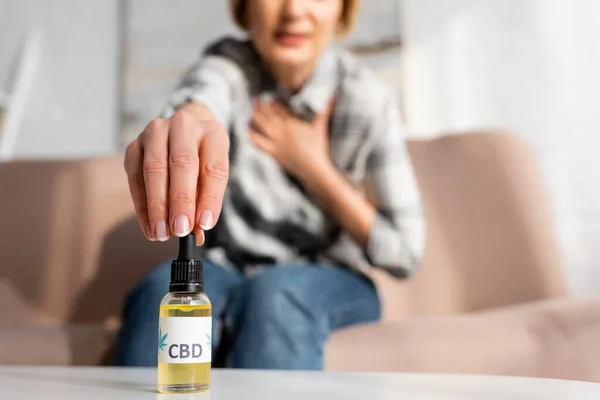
(162, 234)
(182, 226)
(206, 220)
(200, 238)
(149, 234)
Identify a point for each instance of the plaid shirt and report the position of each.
(268, 218)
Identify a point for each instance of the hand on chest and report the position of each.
(274, 149)
(298, 145)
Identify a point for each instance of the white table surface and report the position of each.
(27, 383)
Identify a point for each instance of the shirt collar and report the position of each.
(320, 88)
(315, 95)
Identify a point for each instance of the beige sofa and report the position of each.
(489, 297)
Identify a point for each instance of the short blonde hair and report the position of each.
(347, 20)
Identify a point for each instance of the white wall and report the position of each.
(72, 107)
(529, 66)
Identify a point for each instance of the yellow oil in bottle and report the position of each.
(184, 377)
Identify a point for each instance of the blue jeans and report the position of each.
(278, 319)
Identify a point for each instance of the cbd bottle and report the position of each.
(185, 326)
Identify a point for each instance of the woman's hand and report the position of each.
(177, 171)
(301, 148)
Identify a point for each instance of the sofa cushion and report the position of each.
(552, 339)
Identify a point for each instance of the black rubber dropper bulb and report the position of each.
(187, 270)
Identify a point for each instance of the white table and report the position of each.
(27, 383)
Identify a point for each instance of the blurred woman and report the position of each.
(309, 145)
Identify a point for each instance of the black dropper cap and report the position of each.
(186, 271)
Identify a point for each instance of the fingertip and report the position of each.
(181, 226)
(252, 134)
(149, 234)
(200, 238)
(206, 220)
(162, 231)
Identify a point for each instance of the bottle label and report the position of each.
(184, 340)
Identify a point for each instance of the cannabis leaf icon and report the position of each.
(207, 340)
(162, 340)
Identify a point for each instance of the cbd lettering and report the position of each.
(182, 351)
